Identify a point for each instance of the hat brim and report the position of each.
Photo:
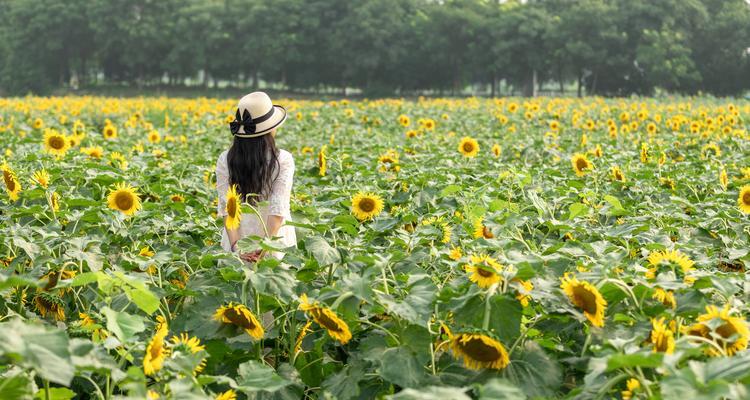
(277, 119)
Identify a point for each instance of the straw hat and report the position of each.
(256, 115)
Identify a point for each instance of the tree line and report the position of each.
(382, 47)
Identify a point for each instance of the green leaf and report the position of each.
(616, 206)
(400, 366)
(15, 385)
(500, 389)
(431, 393)
(138, 293)
(449, 190)
(84, 279)
(323, 252)
(55, 394)
(41, 348)
(534, 372)
(256, 377)
(122, 324)
(648, 360)
(577, 209)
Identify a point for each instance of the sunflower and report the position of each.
(124, 198)
(327, 318)
(229, 394)
(497, 150)
(322, 162)
(712, 148)
(156, 351)
(666, 297)
(404, 120)
(55, 143)
(670, 259)
(480, 230)
(89, 324)
(633, 385)
(12, 185)
(93, 152)
(581, 164)
(743, 201)
(525, 287)
(366, 206)
(191, 344)
(728, 332)
(154, 137)
(38, 123)
(479, 351)
(429, 124)
(177, 198)
(468, 147)
(41, 177)
(48, 303)
(110, 132)
(455, 253)
(484, 270)
(234, 213)
(240, 316)
(617, 174)
(644, 152)
(586, 297)
(661, 337)
(723, 179)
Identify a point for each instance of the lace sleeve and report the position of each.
(222, 184)
(281, 190)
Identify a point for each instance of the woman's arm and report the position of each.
(273, 224)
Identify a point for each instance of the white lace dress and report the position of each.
(278, 203)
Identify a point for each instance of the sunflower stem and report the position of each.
(488, 307)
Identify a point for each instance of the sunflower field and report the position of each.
(454, 249)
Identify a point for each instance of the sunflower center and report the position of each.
(57, 142)
(124, 200)
(155, 349)
(726, 331)
(468, 147)
(326, 321)
(484, 273)
(581, 164)
(585, 299)
(239, 319)
(10, 183)
(478, 350)
(367, 204)
(487, 233)
(746, 198)
(232, 207)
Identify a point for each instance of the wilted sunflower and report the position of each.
(12, 185)
(581, 164)
(241, 317)
(484, 270)
(55, 143)
(48, 303)
(479, 351)
(327, 318)
(366, 206)
(728, 332)
(586, 297)
(469, 147)
(191, 344)
(124, 198)
(670, 259)
(743, 201)
(41, 177)
(661, 336)
(234, 212)
(617, 174)
(322, 161)
(156, 351)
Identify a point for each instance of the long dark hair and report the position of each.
(252, 162)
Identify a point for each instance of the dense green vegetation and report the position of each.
(609, 47)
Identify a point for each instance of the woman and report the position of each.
(261, 174)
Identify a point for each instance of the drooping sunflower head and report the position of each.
(586, 297)
(728, 332)
(743, 201)
(661, 336)
(479, 351)
(55, 143)
(156, 351)
(189, 344)
(241, 317)
(581, 164)
(672, 260)
(50, 304)
(480, 230)
(327, 318)
(468, 146)
(366, 206)
(12, 185)
(484, 270)
(322, 161)
(234, 212)
(124, 198)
